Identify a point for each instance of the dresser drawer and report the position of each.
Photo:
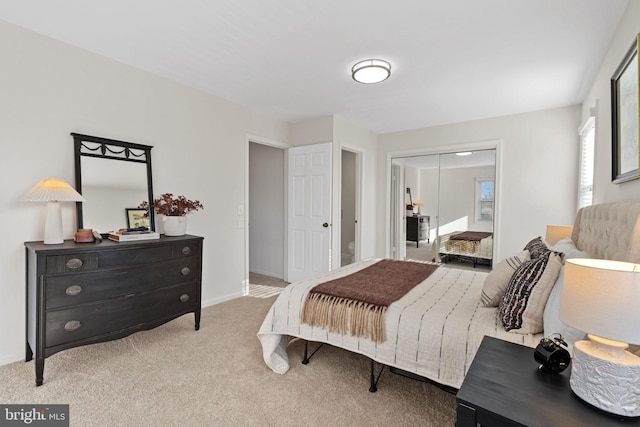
(73, 262)
(149, 255)
(71, 289)
(96, 319)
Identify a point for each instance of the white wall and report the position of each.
(266, 210)
(50, 89)
(538, 167)
(412, 181)
(457, 198)
(429, 193)
(600, 95)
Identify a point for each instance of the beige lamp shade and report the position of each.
(555, 233)
(602, 297)
(53, 191)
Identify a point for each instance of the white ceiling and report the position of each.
(452, 60)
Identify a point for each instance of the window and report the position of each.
(484, 199)
(587, 148)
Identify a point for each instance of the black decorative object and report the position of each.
(552, 355)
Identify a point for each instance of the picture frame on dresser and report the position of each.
(137, 218)
(625, 151)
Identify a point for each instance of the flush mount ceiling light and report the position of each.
(371, 71)
(464, 153)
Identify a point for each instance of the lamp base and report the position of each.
(53, 225)
(608, 380)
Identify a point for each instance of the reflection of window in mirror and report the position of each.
(484, 196)
(110, 187)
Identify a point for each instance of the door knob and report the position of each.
(325, 225)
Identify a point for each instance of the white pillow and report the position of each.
(568, 248)
(498, 279)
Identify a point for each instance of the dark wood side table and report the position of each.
(418, 228)
(504, 387)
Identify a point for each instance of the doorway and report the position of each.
(348, 206)
(266, 215)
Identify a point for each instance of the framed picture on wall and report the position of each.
(137, 218)
(625, 154)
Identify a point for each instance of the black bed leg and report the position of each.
(374, 380)
(307, 356)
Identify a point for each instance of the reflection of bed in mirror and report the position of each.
(476, 246)
(112, 176)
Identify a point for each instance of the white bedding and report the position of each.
(433, 331)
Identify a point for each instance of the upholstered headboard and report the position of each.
(609, 231)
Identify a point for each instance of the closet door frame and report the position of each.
(495, 144)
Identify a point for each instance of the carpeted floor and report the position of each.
(261, 279)
(174, 376)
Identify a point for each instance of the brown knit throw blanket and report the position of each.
(474, 236)
(356, 303)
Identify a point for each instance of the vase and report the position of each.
(174, 225)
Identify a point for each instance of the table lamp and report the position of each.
(602, 298)
(555, 233)
(418, 204)
(53, 191)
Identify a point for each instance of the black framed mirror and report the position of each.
(114, 177)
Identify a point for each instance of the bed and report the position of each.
(476, 246)
(435, 329)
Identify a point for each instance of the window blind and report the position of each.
(587, 149)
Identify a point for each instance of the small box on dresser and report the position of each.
(85, 293)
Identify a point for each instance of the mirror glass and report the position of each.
(114, 178)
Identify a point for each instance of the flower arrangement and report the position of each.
(168, 205)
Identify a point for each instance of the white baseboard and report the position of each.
(222, 299)
(267, 273)
(11, 358)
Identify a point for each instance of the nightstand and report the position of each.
(504, 387)
(418, 228)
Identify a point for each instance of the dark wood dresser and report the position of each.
(84, 293)
(418, 228)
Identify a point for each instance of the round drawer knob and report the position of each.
(73, 290)
(184, 297)
(186, 250)
(72, 325)
(185, 271)
(74, 263)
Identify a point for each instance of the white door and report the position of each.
(309, 210)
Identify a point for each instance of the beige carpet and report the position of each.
(261, 279)
(174, 376)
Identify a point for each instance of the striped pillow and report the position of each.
(536, 247)
(498, 279)
(521, 308)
